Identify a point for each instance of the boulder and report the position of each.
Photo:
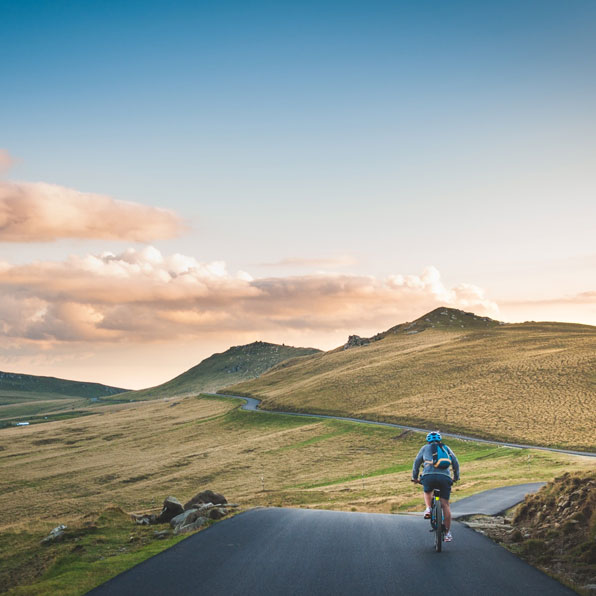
(56, 535)
(189, 527)
(183, 518)
(207, 496)
(171, 508)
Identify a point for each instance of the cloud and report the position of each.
(41, 212)
(6, 161)
(142, 295)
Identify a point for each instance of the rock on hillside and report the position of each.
(239, 363)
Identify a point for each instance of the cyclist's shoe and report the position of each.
(427, 513)
(448, 537)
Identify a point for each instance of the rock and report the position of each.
(207, 496)
(183, 518)
(160, 535)
(56, 535)
(355, 341)
(217, 513)
(195, 525)
(171, 508)
(143, 520)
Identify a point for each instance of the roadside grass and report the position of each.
(523, 383)
(92, 552)
(134, 455)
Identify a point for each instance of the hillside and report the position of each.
(27, 397)
(237, 364)
(529, 382)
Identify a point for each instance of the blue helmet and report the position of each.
(434, 436)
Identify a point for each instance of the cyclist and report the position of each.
(436, 478)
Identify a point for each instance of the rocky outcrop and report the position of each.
(196, 513)
(554, 529)
(207, 496)
(356, 341)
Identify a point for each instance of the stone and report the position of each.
(183, 518)
(217, 513)
(56, 535)
(195, 525)
(171, 508)
(160, 535)
(207, 496)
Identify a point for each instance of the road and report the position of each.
(495, 501)
(300, 552)
(251, 404)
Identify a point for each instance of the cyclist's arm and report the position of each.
(417, 464)
(455, 464)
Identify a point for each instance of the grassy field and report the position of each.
(134, 455)
(531, 382)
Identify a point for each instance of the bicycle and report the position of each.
(436, 520)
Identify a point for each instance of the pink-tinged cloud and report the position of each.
(41, 212)
(6, 161)
(142, 296)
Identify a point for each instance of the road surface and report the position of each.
(495, 501)
(301, 552)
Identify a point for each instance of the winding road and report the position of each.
(252, 404)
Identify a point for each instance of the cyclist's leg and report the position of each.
(446, 514)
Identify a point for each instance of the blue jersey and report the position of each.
(425, 456)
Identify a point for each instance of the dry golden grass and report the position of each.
(530, 383)
(136, 454)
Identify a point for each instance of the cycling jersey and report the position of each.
(425, 456)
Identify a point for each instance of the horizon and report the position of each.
(258, 341)
(177, 179)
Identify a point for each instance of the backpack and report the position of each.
(441, 456)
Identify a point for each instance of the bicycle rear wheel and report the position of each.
(439, 524)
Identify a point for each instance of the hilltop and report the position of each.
(528, 382)
(237, 364)
(27, 397)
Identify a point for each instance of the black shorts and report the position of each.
(440, 481)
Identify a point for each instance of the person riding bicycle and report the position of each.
(436, 477)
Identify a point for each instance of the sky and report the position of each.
(180, 177)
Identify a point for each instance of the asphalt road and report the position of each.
(300, 552)
(495, 501)
(251, 404)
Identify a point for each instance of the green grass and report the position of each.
(89, 555)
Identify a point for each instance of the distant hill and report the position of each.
(236, 364)
(529, 382)
(21, 383)
(34, 398)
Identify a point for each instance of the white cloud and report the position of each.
(142, 295)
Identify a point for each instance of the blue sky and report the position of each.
(369, 139)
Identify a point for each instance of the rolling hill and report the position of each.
(30, 397)
(528, 382)
(239, 363)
